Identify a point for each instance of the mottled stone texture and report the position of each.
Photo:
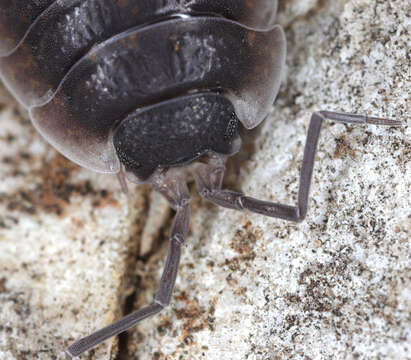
(336, 286)
(67, 237)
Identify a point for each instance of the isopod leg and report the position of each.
(238, 201)
(162, 299)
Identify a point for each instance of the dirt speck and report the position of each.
(54, 189)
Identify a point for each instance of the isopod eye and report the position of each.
(146, 65)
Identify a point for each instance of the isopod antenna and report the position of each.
(238, 201)
(175, 190)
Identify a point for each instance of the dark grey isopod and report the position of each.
(148, 87)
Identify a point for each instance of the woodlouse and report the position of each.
(100, 119)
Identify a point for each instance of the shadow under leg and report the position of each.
(238, 201)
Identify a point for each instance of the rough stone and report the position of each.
(336, 286)
(67, 239)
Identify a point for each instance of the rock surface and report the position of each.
(336, 286)
(67, 237)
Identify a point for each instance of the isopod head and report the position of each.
(80, 82)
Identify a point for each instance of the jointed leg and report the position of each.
(238, 201)
(177, 238)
